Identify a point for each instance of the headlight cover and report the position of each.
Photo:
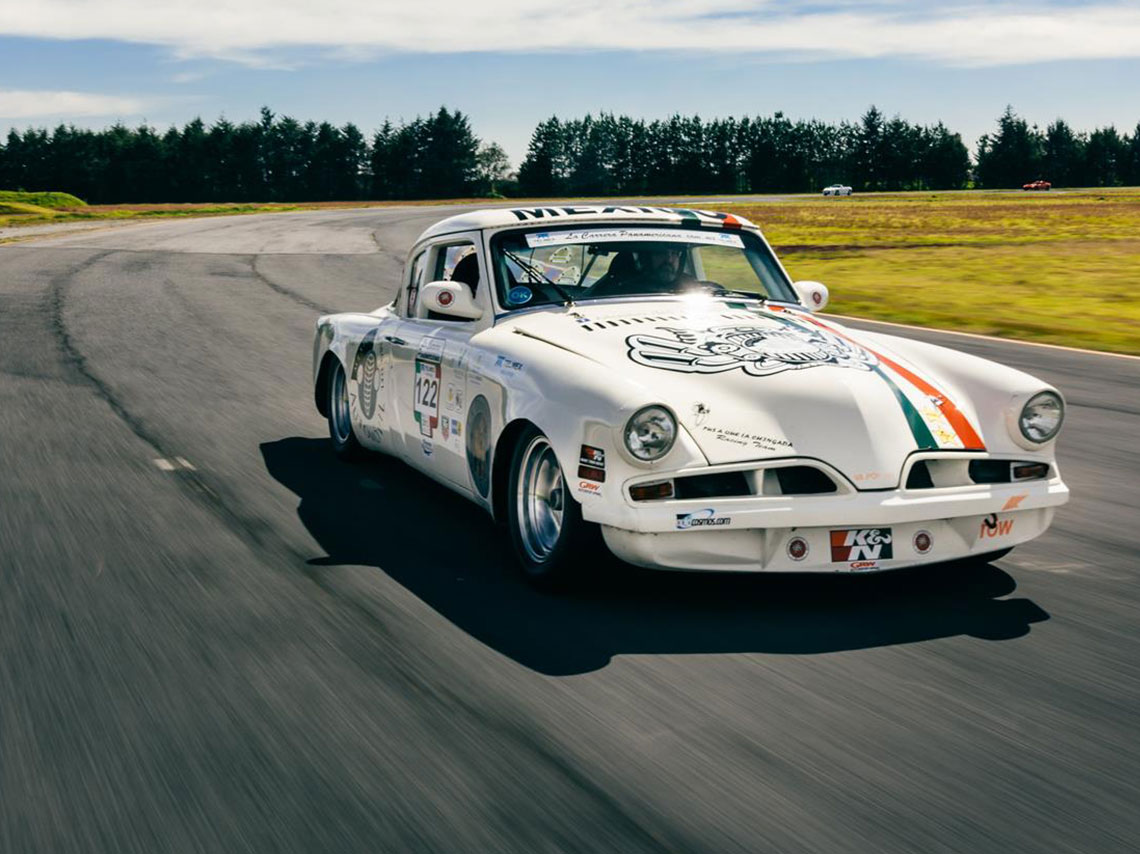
(650, 433)
(1041, 417)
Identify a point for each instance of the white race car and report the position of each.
(837, 190)
(654, 375)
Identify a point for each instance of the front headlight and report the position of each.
(1041, 417)
(650, 433)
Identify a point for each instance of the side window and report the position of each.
(415, 279)
(458, 263)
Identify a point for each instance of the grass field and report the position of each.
(1058, 268)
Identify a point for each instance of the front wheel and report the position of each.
(547, 530)
(344, 442)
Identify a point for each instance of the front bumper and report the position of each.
(757, 535)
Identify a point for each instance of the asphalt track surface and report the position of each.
(250, 646)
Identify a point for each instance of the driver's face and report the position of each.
(663, 264)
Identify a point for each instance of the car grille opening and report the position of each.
(989, 471)
(725, 484)
(948, 472)
(803, 480)
(919, 477)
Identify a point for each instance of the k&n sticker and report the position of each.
(861, 544)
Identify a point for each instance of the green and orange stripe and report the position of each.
(920, 428)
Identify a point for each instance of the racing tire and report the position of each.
(344, 441)
(551, 540)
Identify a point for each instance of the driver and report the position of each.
(660, 265)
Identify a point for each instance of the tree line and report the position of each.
(274, 159)
(1018, 152)
(625, 156)
(439, 156)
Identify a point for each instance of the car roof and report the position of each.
(498, 218)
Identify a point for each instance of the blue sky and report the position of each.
(92, 62)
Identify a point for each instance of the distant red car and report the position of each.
(1037, 185)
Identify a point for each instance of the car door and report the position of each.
(429, 364)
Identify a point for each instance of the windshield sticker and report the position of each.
(756, 350)
(519, 295)
(536, 239)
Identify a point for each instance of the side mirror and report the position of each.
(450, 299)
(813, 295)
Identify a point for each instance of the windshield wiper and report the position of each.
(746, 294)
(567, 300)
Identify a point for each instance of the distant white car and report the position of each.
(837, 190)
(654, 376)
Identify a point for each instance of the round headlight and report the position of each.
(1041, 417)
(650, 433)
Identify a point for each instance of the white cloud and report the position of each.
(974, 33)
(24, 104)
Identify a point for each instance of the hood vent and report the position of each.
(629, 321)
(593, 325)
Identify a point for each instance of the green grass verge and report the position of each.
(1059, 269)
(42, 200)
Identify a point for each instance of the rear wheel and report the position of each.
(547, 530)
(343, 439)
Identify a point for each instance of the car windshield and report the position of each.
(537, 267)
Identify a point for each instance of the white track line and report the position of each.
(984, 337)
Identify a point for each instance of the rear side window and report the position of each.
(415, 279)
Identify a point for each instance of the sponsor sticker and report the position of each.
(706, 518)
(593, 457)
(1014, 502)
(589, 487)
(431, 350)
(427, 447)
(453, 402)
(861, 545)
(445, 298)
(506, 363)
(863, 564)
(592, 463)
(992, 526)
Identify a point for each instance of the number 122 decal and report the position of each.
(426, 403)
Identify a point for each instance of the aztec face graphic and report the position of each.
(364, 370)
(756, 350)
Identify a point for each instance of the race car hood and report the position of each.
(752, 383)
